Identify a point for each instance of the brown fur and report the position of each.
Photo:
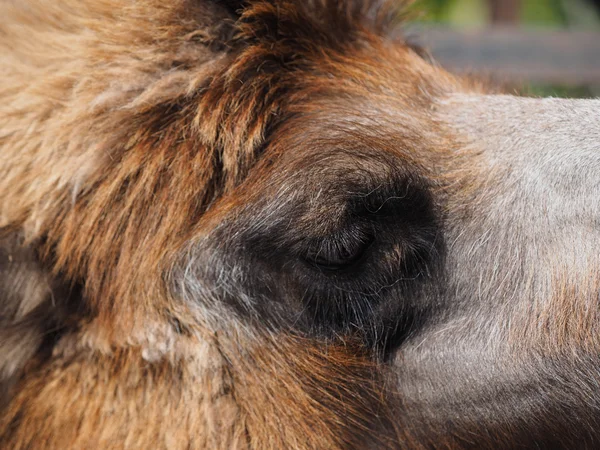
(139, 141)
(81, 99)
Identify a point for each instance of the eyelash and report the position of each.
(339, 251)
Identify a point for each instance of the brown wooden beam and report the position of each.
(504, 11)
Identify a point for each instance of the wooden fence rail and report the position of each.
(515, 55)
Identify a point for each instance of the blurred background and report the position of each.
(533, 47)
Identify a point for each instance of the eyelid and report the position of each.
(339, 250)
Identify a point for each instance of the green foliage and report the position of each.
(539, 90)
(476, 12)
(543, 12)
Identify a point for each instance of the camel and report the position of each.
(270, 224)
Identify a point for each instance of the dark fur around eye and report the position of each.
(352, 261)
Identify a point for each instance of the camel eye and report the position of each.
(339, 251)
